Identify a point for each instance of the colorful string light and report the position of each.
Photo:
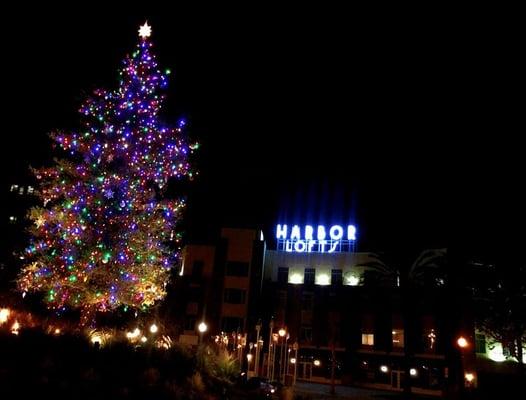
(101, 239)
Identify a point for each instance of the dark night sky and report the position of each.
(406, 128)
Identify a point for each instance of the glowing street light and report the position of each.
(154, 328)
(317, 363)
(282, 332)
(462, 342)
(202, 327)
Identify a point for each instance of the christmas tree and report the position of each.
(102, 238)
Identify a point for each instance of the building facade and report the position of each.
(324, 312)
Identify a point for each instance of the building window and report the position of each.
(282, 299)
(231, 324)
(480, 343)
(306, 334)
(309, 276)
(197, 269)
(236, 268)
(398, 337)
(283, 275)
(323, 278)
(21, 190)
(189, 323)
(234, 296)
(337, 277)
(307, 300)
(368, 339)
(30, 190)
(195, 294)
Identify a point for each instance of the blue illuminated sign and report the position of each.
(320, 240)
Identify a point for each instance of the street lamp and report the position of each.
(202, 328)
(154, 328)
(295, 348)
(282, 332)
(462, 342)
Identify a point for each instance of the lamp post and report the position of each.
(466, 378)
(202, 328)
(275, 341)
(258, 347)
(271, 327)
(295, 348)
(282, 332)
(286, 358)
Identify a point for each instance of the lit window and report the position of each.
(21, 190)
(296, 278)
(398, 337)
(368, 339)
(323, 279)
(30, 190)
(352, 280)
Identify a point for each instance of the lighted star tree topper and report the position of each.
(102, 238)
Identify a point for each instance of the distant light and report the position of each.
(57, 331)
(133, 335)
(282, 332)
(413, 372)
(143, 339)
(462, 342)
(154, 328)
(4, 315)
(96, 339)
(469, 376)
(249, 357)
(202, 327)
(317, 363)
(384, 368)
(15, 327)
(293, 360)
